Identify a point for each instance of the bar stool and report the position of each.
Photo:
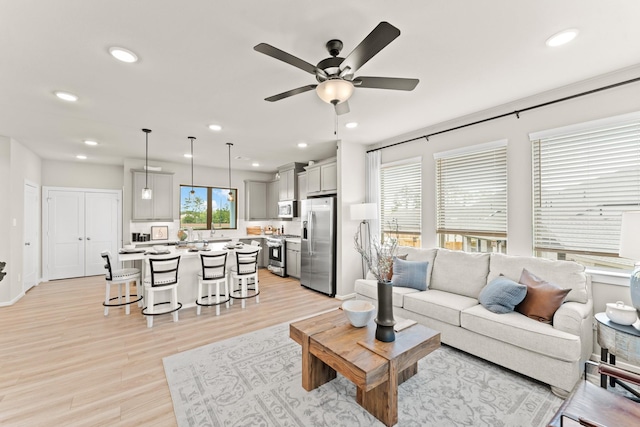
(122, 277)
(163, 277)
(214, 272)
(245, 269)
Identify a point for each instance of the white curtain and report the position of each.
(372, 189)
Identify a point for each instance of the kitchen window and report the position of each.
(584, 177)
(208, 208)
(401, 201)
(471, 198)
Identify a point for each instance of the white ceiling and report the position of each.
(197, 66)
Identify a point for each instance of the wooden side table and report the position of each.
(617, 341)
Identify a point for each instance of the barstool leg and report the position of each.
(174, 303)
(218, 298)
(243, 284)
(150, 308)
(257, 290)
(199, 298)
(127, 297)
(226, 292)
(106, 298)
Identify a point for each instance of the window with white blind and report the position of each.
(584, 177)
(471, 198)
(401, 201)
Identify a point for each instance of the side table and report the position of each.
(617, 341)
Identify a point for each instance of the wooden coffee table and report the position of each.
(329, 344)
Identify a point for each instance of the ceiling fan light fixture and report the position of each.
(335, 91)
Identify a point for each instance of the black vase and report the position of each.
(384, 320)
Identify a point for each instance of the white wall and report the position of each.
(351, 160)
(24, 166)
(81, 175)
(5, 215)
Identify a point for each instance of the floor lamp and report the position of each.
(363, 212)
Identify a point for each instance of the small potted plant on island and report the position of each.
(379, 259)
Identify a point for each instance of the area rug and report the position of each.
(254, 380)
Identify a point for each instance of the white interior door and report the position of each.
(31, 241)
(65, 234)
(101, 229)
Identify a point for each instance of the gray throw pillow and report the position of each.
(410, 274)
(501, 295)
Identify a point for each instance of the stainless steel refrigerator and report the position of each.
(318, 249)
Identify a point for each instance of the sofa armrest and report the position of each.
(571, 316)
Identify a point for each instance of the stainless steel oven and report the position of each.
(277, 255)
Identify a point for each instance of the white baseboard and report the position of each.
(13, 301)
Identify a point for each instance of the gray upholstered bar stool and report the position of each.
(163, 276)
(121, 277)
(213, 272)
(244, 271)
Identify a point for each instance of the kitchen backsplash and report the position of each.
(290, 227)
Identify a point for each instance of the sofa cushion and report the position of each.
(566, 274)
(521, 331)
(462, 273)
(543, 298)
(440, 305)
(410, 274)
(502, 294)
(369, 288)
(371, 276)
(420, 254)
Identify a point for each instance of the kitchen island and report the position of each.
(188, 271)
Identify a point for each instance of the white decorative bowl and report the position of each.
(160, 248)
(621, 314)
(359, 312)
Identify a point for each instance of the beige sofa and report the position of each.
(551, 353)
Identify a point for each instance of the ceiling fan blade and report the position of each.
(377, 39)
(290, 93)
(386, 83)
(342, 108)
(283, 56)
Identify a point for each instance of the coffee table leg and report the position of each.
(382, 401)
(314, 371)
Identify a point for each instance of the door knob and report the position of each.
(27, 243)
(88, 238)
(79, 238)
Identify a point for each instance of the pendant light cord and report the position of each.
(191, 138)
(146, 158)
(229, 144)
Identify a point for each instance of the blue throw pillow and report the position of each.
(501, 295)
(410, 274)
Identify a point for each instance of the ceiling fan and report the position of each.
(335, 75)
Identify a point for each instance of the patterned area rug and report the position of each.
(254, 380)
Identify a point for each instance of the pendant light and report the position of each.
(146, 191)
(192, 190)
(230, 196)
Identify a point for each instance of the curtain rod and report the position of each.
(516, 113)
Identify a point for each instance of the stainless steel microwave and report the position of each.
(287, 209)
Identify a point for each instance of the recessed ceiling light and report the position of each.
(122, 54)
(562, 37)
(81, 157)
(216, 128)
(351, 125)
(66, 96)
(90, 142)
(255, 164)
(302, 145)
(188, 155)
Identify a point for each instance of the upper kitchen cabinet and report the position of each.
(273, 193)
(255, 207)
(322, 178)
(289, 181)
(160, 206)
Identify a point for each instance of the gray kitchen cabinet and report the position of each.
(160, 206)
(288, 181)
(273, 196)
(255, 196)
(293, 259)
(322, 178)
(302, 190)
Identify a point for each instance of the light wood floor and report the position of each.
(63, 363)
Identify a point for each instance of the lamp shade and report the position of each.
(630, 235)
(363, 211)
(334, 91)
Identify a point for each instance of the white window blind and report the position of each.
(471, 191)
(401, 197)
(583, 181)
